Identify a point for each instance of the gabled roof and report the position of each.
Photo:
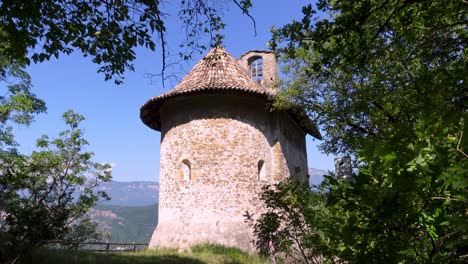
(218, 72)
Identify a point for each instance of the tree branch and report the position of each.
(163, 47)
(387, 114)
(449, 199)
(246, 12)
(379, 30)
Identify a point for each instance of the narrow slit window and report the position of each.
(256, 69)
(261, 170)
(186, 170)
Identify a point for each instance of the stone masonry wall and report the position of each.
(293, 142)
(216, 154)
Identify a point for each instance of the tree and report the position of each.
(298, 223)
(386, 82)
(106, 30)
(38, 195)
(45, 195)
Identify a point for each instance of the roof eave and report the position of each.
(304, 121)
(150, 115)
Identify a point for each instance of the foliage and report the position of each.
(297, 223)
(17, 103)
(338, 221)
(44, 195)
(106, 30)
(386, 82)
(84, 229)
(374, 66)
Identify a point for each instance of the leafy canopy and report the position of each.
(386, 82)
(106, 30)
(17, 103)
(375, 67)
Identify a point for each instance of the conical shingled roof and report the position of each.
(217, 71)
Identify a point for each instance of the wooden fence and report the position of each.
(108, 245)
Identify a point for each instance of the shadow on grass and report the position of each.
(200, 254)
(228, 255)
(44, 256)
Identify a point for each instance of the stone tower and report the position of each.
(220, 143)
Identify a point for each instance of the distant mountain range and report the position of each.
(143, 193)
(132, 212)
(135, 193)
(316, 175)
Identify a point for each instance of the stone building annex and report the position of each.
(220, 143)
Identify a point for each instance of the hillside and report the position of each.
(126, 223)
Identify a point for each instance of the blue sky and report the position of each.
(112, 124)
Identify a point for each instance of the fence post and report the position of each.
(107, 246)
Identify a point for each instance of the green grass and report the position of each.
(201, 254)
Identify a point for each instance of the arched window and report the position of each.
(256, 68)
(261, 170)
(185, 170)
